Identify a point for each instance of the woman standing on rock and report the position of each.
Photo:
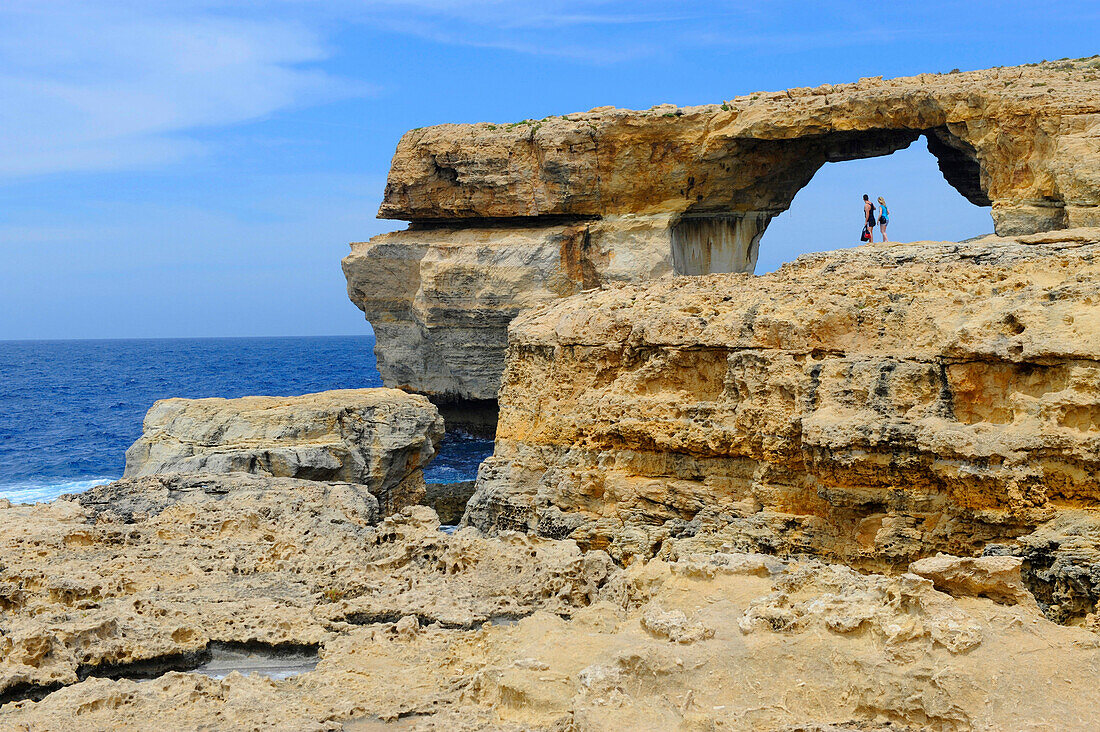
(883, 217)
(869, 219)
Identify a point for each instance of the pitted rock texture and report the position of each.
(1061, 565)
(699, 644)
(1022, 138)
(508, 216)
(875, 405)
(381, 438)
(147, 572)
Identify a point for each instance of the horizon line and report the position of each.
(181, 338)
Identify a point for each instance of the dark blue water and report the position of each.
(69, 409)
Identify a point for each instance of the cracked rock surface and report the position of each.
(150, 571)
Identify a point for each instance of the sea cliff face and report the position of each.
(870, 405)
(508, 216)
(440, 299)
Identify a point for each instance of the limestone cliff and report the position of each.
(381, 438)
(506, 216)
(440, 299)
(874, 405)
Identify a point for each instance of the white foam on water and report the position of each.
(38, 491)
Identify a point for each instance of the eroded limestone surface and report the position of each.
(381, 438)
(722, 641)
(505, 216)
(145, 573)
(875, 405)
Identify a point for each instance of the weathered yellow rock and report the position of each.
(1022, 138)
(506, 216)
(995, 577)
(145, 573)
(875, 404)
(440, 300)
(663, 646)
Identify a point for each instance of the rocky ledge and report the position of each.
(379, 438)
(419, 630)
(506, 216)
(870, 405)
(143, 575)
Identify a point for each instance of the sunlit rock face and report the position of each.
(440, 298)
(1022, 139)
(507, 216)
(872, 405)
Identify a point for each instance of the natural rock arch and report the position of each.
(704, 240)
(505, 217)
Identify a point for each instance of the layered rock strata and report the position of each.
(721, 641)
(380, 438)
(440, 298)
(871, 405)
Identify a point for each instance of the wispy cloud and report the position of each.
(87, 86)
(567, 29)
(91, 85)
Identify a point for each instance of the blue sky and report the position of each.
(197, 168)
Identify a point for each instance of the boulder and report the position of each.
(379, 438)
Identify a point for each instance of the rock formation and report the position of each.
(872, 405)
(142, 575)
(721, 641)
(678, 462)
(506, 216)
(381, 438)
(449, 500)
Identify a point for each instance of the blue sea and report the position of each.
(69, 409)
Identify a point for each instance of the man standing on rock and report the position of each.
(868, 220)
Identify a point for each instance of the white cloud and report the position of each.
(90, 86)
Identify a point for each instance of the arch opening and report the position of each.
(934, 192)
(722, 232)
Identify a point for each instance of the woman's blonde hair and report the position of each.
(880, 200)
